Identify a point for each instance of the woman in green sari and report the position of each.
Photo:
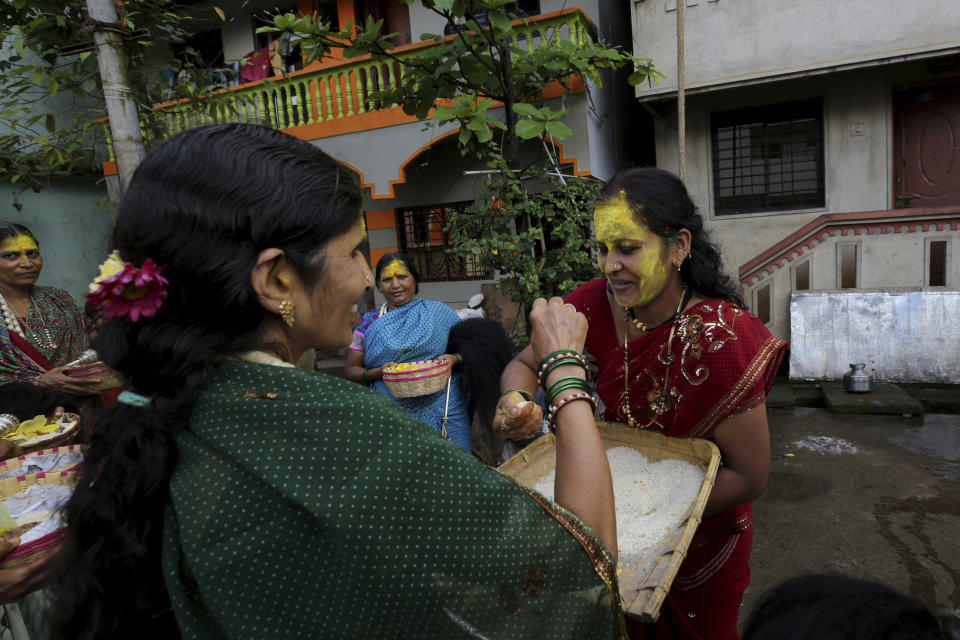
(230, 495)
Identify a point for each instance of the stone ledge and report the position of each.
(882, 399)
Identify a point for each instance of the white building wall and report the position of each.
(856, 175)
(734, 42)
(858, 156)
(895, 260)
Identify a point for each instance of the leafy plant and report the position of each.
(51, 102)
(538, 241)
(532, 228)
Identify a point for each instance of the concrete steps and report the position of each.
(883, 398)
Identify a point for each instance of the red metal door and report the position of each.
(927, 147)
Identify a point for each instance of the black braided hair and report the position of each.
(204, 203)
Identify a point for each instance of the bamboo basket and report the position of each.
(30, 552)
(12, 464)
(420, 378)
(48, 440)
(642, 589)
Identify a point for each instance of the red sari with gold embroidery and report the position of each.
(686, 377)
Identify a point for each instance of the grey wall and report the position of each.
(733, 42)
(858, 177)
(902, 336)
(72, 228)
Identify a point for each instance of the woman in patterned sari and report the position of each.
(676, 353)
(407, 328)
(230, 495)
(42, 327)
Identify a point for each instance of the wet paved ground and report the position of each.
(876, 497)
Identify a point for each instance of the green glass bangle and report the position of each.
(559, 363)
(550, 391)
(525, 394)
(363, 376)
(564, 386)
(555, 353)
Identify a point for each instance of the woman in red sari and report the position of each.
(42, 329)
(676, 353)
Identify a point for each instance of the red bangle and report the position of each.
(573, 397)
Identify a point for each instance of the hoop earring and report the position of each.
(286, 312)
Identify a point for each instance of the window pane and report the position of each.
(423, 239)
(763, 304)
(768, 158)
(802, 277)
(938, 263)
(848, 266)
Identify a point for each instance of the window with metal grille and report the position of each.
(768, 158)
(423, 239)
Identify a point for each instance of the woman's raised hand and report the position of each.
(556, 326)
(57, 381)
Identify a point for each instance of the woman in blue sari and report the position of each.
(407, 328)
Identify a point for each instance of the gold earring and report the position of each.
(286, 312)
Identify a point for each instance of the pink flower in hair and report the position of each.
(131, 292)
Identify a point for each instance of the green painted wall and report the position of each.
(72, 228)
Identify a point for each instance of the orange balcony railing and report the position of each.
(333, 92)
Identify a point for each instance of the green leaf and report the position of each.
(527, 129)
(484, 134)
(444, 113)
(526, 109)
(499, 20)
(558, 130)
(52, 87)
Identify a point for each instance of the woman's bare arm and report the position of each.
(744, 442)
(514, 421)
(583, 482)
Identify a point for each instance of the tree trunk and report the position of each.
(511, 147)
(128, 147)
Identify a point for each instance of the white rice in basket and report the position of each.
(652, 500)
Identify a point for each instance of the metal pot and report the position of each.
(857, 380)
(8, 422)
(89, 356)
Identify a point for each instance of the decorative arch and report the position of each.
(562, 158)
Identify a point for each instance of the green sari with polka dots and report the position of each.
(307, 506)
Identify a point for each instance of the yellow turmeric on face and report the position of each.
(640, 251)
(19, 244)
(395, 269)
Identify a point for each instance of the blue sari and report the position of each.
(419, 331)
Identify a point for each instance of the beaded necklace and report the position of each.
(659, 409)
(19, 325)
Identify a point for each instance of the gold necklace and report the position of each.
(625, 409)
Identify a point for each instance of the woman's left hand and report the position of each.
(9, 449)
(58, 381)
(16, 583)
(449, 358)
